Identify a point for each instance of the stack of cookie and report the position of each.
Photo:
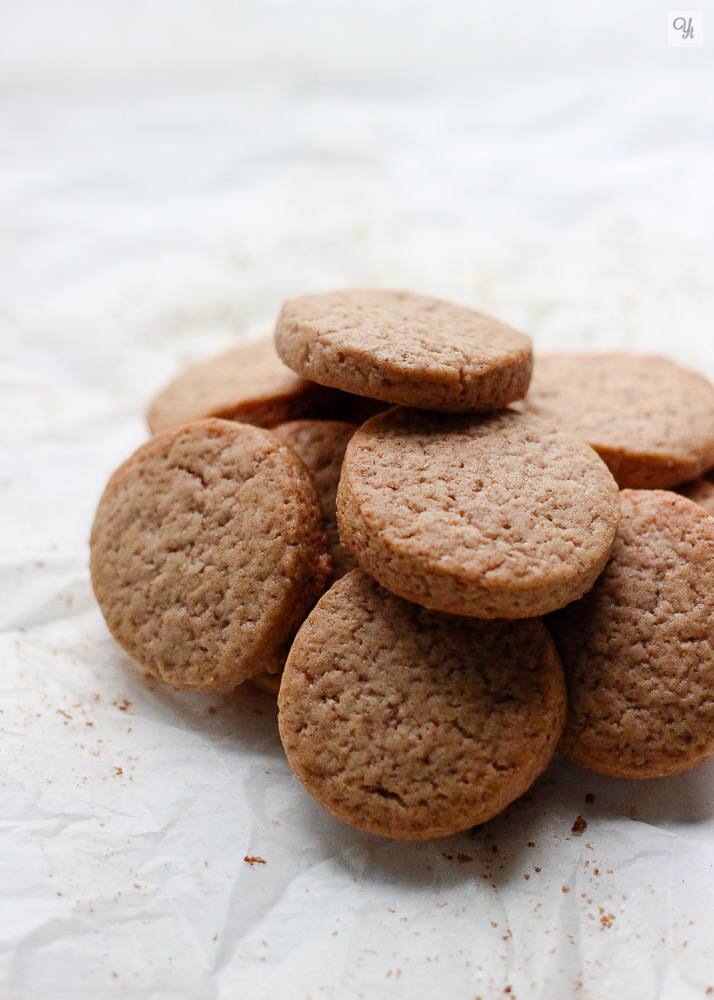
(396, 574)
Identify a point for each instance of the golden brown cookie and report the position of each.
(701, 491)
(496, 516)
(638, 650)
(321, 445)
(207, 552)
(412, 724)
(651, 421)
(251, 384)
(405, 348)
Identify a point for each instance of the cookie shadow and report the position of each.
(674, 803)
(494, 853)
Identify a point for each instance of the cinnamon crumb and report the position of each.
(579, 826)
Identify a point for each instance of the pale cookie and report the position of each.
(405, 348)
(638, 650)
(412, 724)
(496, 516)
(250, 384)
(207, 552)
(701, 491)
(650, 421)
(321, 445)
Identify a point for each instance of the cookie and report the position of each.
(405, 348)
(251, 384)
(412, 724)
(701, 491)
(496, 516)
(651, 421)
(638, 650)
(207, 552)
(321, 445)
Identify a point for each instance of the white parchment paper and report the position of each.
(146, 228)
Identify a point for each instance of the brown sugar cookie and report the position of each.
(496, 516)
(651, 421)
(249, 383)
(405, 348)
(638, 650)
(701, 491)
(321, 445)
(412, 724)
(207, 552)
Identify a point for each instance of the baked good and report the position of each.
(638, 650)
(651, 421)
(207, 552)
(412, 724)
(249, 383)
(321, 445)
(495, 516)
(404, 348)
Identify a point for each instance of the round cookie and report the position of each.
(405, 348)
(207, 552)
(321, 444)
(412, 724)
(249, 383)
(496, 516)
(701, 491)
(651, 421)
(638, 650)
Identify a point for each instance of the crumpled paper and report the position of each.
(156, 845)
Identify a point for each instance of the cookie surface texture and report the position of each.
(650, 420)
(496, 516)
(638, 650)
(207, 551)
(249, 383)
(321, 444)
(412, 724)
(405, 348)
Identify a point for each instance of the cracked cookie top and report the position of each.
(207, 552)
(638, 650)
(414, 724)
(405, 348)
(496, 516)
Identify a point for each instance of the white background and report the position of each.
(169, 173)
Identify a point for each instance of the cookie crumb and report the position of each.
(579, 826)
(254, 860)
